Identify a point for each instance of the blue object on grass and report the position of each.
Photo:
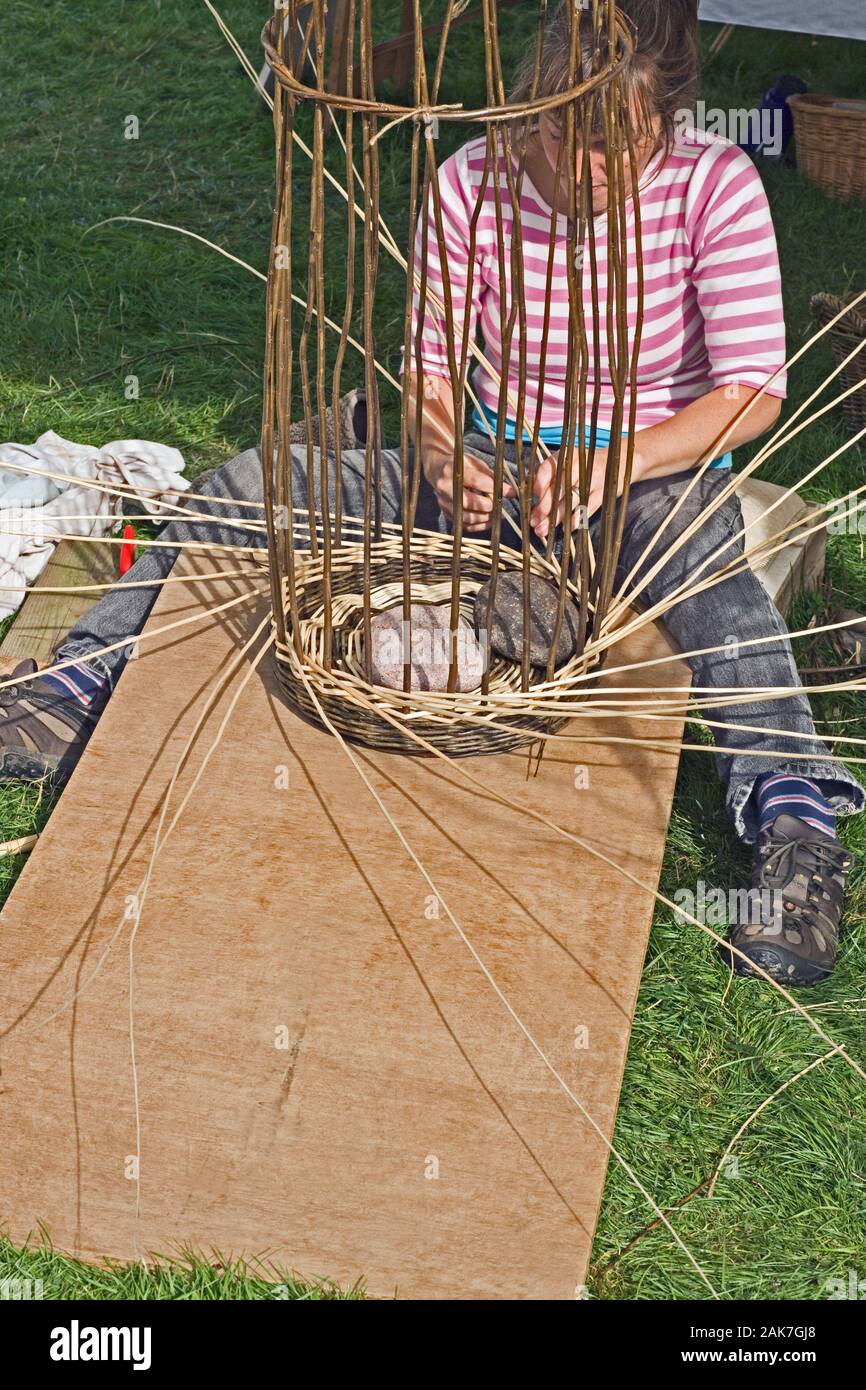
(774, 109)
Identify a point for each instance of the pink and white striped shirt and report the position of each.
(713, 311)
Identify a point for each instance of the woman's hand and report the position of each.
(545, 481)
(542, 517)
(439, 471)
(435, 445)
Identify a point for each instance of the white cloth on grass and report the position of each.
(36, 511)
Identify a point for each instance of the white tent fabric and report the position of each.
(843, 18)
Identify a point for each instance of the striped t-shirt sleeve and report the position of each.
(454, 186)
(736, 273)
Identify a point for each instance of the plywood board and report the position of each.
(45, 618)
(324, 1073)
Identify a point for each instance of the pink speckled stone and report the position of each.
(429, 646)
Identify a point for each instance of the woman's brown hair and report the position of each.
(660, 76)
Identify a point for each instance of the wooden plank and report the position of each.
(45, 618)
(323, 1070)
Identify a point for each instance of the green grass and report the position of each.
(84, 310)
(182, 1277)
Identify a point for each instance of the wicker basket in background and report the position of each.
(849, 332)
(831, 142)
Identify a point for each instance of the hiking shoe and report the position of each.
(42, 732)
(799, 880)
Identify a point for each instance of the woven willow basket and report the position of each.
(459, 724)
(831, 143)
(849, 333)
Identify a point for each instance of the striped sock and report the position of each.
(80, 681)
(780, 794)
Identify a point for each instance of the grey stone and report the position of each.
(506, 625)
(429, 646)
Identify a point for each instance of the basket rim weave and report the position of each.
(827, 305)
(844, 107)
(449, 112)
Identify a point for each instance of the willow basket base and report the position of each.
(336, 693)
(371, 730)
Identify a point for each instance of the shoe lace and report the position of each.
(810, 854)
(786, 858)
(10, 694)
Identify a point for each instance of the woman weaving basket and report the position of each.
(713, 337)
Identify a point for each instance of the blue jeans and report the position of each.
(738, 607)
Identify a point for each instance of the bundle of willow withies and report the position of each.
(310, 624)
